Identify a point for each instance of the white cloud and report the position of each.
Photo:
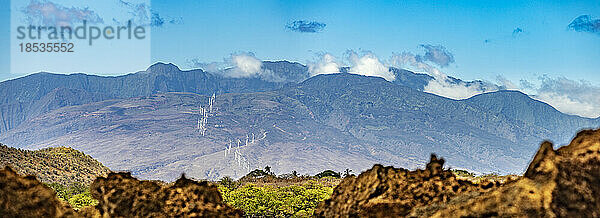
(369, 65)
(441, 84)
(437, 54)
(506, 84)
(408, 60)
(569, 96)
(245, 64)
(460, 90)
(566, 104)
(239, 65)
(327, 64)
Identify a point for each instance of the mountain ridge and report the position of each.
(334, 121)
(19, 96)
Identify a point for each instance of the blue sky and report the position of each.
(212, 30)
(513, 39)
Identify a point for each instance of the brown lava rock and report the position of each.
(391, 192)
(27, 197)
(557, 183)
(561, 183)
(121, 195)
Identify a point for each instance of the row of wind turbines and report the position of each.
(238, 156)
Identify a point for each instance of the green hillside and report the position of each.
(62, 165)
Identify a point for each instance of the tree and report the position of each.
(268, 169)
(347, 173)
(328, 173)
(229, 183)
(79, 201)
(256, 174)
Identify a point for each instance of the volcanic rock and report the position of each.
(557, 183)
(388, 191)
(25, 196)
(121, 195)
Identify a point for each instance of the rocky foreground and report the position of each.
(119, 195)
(557, 183)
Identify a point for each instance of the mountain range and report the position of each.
(152, 122)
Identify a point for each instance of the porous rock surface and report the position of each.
(121, 195)
(392, 192)
(25, 196)
(557, 183)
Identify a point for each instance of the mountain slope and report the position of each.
(157, 136)
(29, 96)
(413, 80)
(518, 106)
(410, 122)
(335, 121)
(61, 165)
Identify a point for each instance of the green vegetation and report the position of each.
(272, 201)
(60, 165)
(261, 193)
(229, 183)
(462, 173)
(328, 173)
(67, 171)
(77, 194)
(82, 200)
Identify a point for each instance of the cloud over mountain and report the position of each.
(245, 65)
(369, 65)
(238, 65)
(366, 63)
(436, 54)
(441, 84)
(326, 64)
(569, 96)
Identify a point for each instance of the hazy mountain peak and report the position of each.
(346, 78)
(286, 70)
(283, 62)
(161, 68)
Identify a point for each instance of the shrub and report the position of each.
(229, 183)
(272, 201)
(77, 195)
(328, 173)
(79, 201)
(458, 172)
